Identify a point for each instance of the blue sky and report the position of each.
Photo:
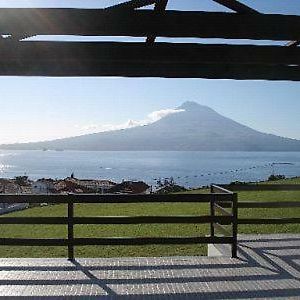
(45, 108)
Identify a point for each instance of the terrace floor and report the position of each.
(268, 267)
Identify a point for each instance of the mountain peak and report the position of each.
(191, 106)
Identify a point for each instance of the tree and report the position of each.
(21, 180)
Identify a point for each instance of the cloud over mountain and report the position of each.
(151, 118)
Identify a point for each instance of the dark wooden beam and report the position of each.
(261, 187)
(226, 220)
(139, 60)
(129, 5)
(33, 242)
(146, 23)
(96, 198)
(72, 68)
(159, 8)
(265, 221)
(130, 241)
(269, 204)
(237, 6)
(166, 53)
(244, 9)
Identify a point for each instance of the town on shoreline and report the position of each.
(69, 185)
(24, 185)
(72, 185)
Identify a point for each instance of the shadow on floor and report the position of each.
(269, 266)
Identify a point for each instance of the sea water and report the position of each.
(190, 169)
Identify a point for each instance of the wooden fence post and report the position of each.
(70, 229)
(212, 211)
(234, 224)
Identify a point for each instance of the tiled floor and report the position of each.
(268, 267)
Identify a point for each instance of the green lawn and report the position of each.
(58, 231)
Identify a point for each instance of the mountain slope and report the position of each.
(196, 128)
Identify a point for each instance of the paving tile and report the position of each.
(269, 269)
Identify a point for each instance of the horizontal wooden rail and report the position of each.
(118, 220)
(34, 220)
(33, 242)
(269, 221)
(264, 204)
(153, 220)
(43, 21)
(262, 187)
(136, 241)
(96, 198)
(256, 204)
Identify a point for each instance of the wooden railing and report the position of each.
(218, 208)
(260, 187)
(223, 217)
(71, 241)
(265, 204)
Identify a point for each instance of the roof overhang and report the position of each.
(21, 56)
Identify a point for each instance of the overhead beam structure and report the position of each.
(150, 59)
(244, 9)
(159, 60)
(167, 53)
(159, 8)
(70, 68)
(143, 23)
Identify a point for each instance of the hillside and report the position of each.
(197, 128)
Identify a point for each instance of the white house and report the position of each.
(42, 186)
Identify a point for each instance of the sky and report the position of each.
(41, 108)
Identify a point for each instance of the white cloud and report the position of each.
(159, 114)
(151, 118)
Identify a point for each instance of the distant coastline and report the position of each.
(24, 185)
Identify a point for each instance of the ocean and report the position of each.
(190, 169)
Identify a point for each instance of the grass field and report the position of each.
(59, 231)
